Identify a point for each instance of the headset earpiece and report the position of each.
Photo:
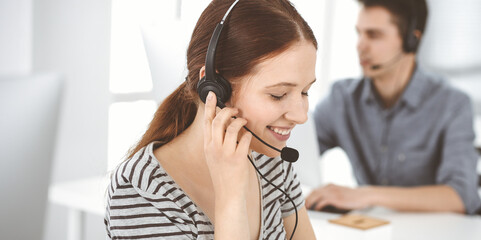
(221, 87)
(411, 41)
(212, 81)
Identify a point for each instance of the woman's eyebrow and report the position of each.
(286, 84)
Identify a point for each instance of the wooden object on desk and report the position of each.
(359, 221)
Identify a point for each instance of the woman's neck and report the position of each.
(189, 145)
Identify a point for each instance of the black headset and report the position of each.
(212, 81)
(410, 41)
(221, 87)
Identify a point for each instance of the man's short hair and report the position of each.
(404, 13)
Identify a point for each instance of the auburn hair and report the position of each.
(255, 30)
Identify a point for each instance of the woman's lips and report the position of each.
(281, 134)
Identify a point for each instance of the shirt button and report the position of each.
(384, 148)
(401, 157)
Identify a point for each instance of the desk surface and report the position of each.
(412, 226)
(88, 195)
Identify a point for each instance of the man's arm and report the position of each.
(422, 198)
(323, 115)
(458, 156)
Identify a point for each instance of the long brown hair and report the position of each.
(255, 30)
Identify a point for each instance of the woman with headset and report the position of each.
(198, 172)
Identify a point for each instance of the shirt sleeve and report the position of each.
(323, 114)
(107, 225)
(459, 159)
(130, 216)
(292, 187)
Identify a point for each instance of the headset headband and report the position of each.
(211, 49)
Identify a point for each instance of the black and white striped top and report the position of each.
(144, 202)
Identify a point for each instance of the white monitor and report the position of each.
(308, 167)
(29, 107)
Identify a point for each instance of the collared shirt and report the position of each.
(426, 138)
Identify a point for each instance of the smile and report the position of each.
(280, 131)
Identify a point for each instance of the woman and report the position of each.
(190, 172)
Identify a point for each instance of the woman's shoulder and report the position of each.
(270, 167)
(141, 190)
(143, 174)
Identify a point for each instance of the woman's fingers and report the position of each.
(221, 129)
(232, 133)
(220, 123)
(209, 114)
(244, 143)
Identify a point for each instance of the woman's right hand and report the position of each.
(226, 156)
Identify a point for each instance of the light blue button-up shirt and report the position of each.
(426, 138)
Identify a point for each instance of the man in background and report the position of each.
(408, 135)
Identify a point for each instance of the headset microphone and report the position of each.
(388, 63)
(287, 153)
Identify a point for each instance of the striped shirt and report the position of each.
(144, 202)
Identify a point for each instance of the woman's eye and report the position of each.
(277, 97)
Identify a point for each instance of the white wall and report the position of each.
(72, 37)
(451, 45)
(15, 36)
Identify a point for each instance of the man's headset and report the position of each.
(221, 87)
(410, 40)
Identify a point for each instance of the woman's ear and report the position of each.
(202, 72)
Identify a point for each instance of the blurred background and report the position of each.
(117, 59)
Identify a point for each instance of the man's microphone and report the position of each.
(393, 60)
(287, 153)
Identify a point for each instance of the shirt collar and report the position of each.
(367, 94)
(412, 94)
(415, 89)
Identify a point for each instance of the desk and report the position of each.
(412, 226)
(80, 197)
(88, 196)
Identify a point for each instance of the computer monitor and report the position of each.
(308, 167)
(29, 107)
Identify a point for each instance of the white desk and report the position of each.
(88, 196)
(412, 226)
(80, 196)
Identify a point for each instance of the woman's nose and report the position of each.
(297, 111)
